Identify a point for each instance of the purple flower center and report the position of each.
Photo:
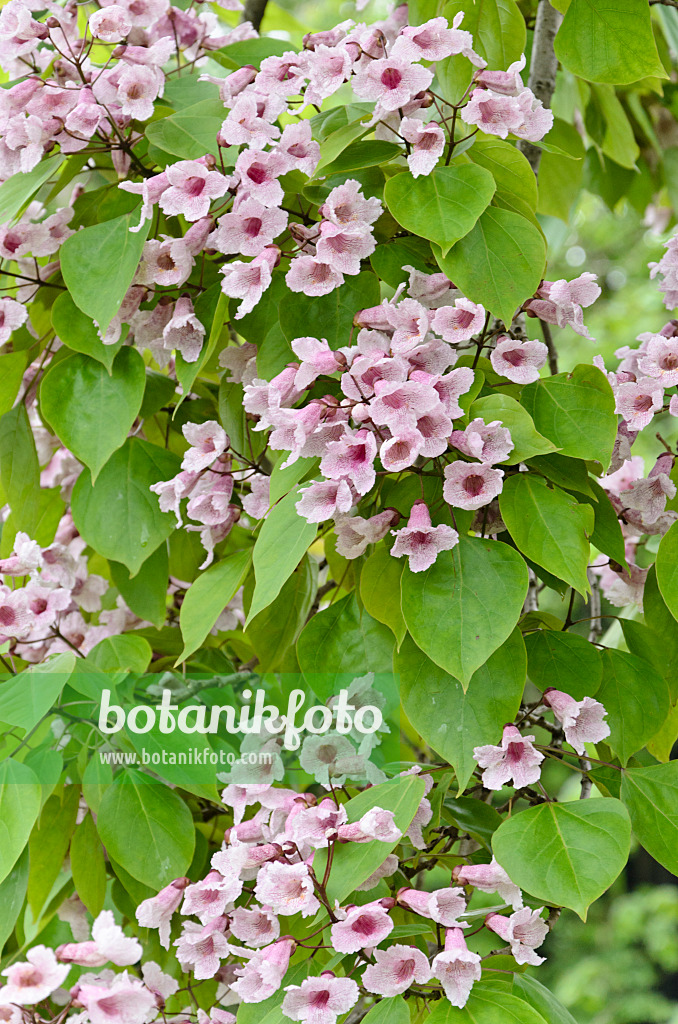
(391, 78)
(7, 615)
(643, 403)
(252, 226)
(473, 485)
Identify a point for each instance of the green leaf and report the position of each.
(19, 188)
(566, 854)
(499, 263)
(636, 699)
(20, 802)
(90, 410)
(651, 796)
(48, 844)
(330, 316)
(380, 590)
(576, 411)
(146, 828)
(12, 367)
(342, 642)
(175, 752)
(354, 862)
(88, 865)
(274, 631)
(253, 51)
(564, 660)
(19, 469)
(145, 593)
(442, 206)
(666, 567)
(514, 178)
(607, 534)
(497, 27)
(191, 132)
(540, 999)
(608, 42)
(118, 515)
(526, 438)
(452, 721)
(570, 474)
(99, 263)
(663, 625)
(363, 154)
(486, 1006)
(124, 653)
(232, 413)
(211, 308)
(466, 605)
(206, 599)
(475, 817)
(549, 527)
(388, 1011)
(390, 259)
(79, 333)
(28, 696)
(12, 896)
(280, 546)
(283, 480)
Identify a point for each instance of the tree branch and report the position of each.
(543, 67)
(254, 12)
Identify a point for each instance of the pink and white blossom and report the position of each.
(516, 760)
(524, 931)
(582, 720)
(470, 485)
(456, 968)
(421, 541)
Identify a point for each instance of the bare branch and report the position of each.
(543, 67)
(254, 12)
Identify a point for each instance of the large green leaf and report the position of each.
(78, 332)
(539, 997)
(388, 1011)
(341, 642)
(280, 546)
(564, 660)
(466, 605)
(497, 27)
(20, 801)
(88, 865)
(527, 440)
(206, 599)
(380, 590)
(12, 896)
(19, 188)
(499, 263)
(191, 132)
(19, 469)
(549, 526)
(327, 316)
(48, 844)
(146, 828)
(452, 721)
(515, 180)
(636, 699)
(145, 593)
(567, 854)
(609, 42)
(28, 696)
(651, 795)
(487, 1006)
(576, 411)
(274, 631)
(666, 568)
(442, 206)
(98, 264)
(353, 863)
(663, 625)
(118, 515)
(90, 410)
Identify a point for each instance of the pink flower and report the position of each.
(208, 441)
(346, 205)
(263, 975)
(157, 911)
(487, 442)
(302, 152)
(255, 927)
(456, 968)
(489, 878)
(401, 451)
(137, 88)
(410, 321)
(582, 720)
(109, 943)
(316, 358)
(352, 458)
(519, 361)
(391, 81)
(287, 888)
(362, 927)
(12, 316)
(450, 387)
(111, 24)
(470, 485)
(524, 931)
(398, 405)
(123, 999)
(660, 360)
(283, 75)
(435, 40)
(202, 947)
(354, 533)
(420, 541)
(184, 332)
(320, 1000)
(192, 187)
(638, 402)
(442, 906)
(35, 978)
(16, 618)
(560, 302)
(396, 968)
(249, 281)
(322, 500)
(210, 897)
(310, 276)
(343, 247)
(248, 229)
(516, 759)
(376, 823)
(492, 113)
(26, 557)
(150, 190)
(161, 984)
(256, 504)
(258, 175)
(327, 67)
(459, 322)
(171, 492)
(247, 124)
(428, 143)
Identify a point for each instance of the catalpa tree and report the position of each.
(338, 623)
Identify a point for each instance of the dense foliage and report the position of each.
(283, 433)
